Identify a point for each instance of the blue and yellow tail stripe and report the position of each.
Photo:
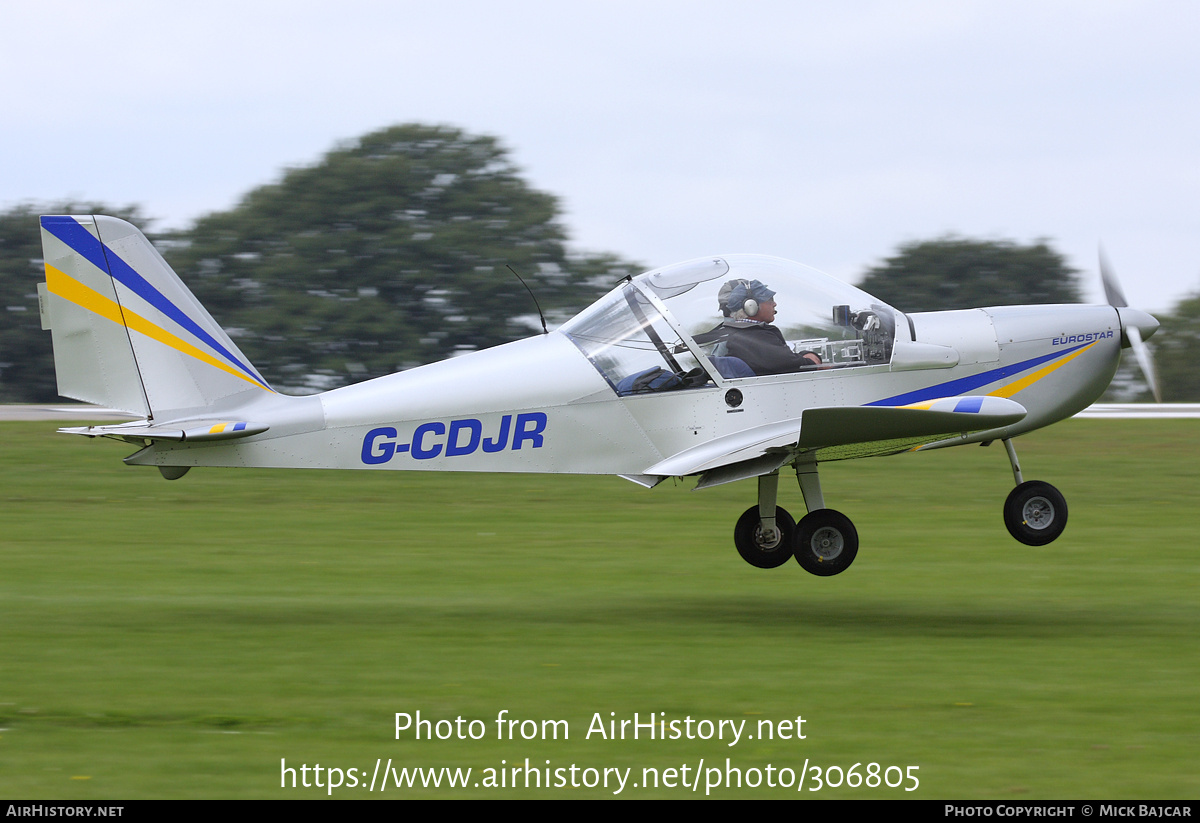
(70, 289)
(88, 246)
(963, 385)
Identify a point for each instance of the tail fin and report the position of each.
(127, 332)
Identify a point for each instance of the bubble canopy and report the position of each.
(672, 319)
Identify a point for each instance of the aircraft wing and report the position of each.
(837, 433)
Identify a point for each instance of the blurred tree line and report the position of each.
(392, 251)
(389, 252)
(959, 273)
(1177, 353)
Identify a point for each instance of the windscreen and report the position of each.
(624, 335)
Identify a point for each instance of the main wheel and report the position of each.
(1035, 513)
(825, 542)
(769, 551)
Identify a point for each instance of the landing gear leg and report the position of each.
(1012, 459)
(825, 542)
(763, 534)
(810, 485)
(1035, 513)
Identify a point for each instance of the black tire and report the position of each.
(747, 536)
(825, 542)
(1035, 513)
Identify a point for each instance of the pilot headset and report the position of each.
(748, 304)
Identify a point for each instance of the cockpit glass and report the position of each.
(841, 324)
(625, 335)
(681, 320)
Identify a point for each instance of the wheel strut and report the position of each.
(768, 492)
(810, 485)
(1012, 459)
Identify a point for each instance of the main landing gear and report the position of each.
(825, 542)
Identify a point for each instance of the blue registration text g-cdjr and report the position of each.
(455, 439)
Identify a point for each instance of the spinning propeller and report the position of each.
(1135, 325)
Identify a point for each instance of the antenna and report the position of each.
(535, 300)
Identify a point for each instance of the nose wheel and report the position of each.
(1035, 513)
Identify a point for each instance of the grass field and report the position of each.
(180, 639)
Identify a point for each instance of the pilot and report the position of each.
(749, 309)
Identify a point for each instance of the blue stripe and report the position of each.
(963, 385)
(83, 242)
(972, 405)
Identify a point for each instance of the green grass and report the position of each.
(177, 639)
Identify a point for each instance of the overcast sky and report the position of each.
(827, 133)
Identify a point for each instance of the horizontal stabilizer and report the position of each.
(191, 431)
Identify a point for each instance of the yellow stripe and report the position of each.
(75, 292)
(1026, 382)
(70, 289)
(217, 429)
(924, 404)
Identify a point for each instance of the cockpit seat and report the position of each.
(731, 367)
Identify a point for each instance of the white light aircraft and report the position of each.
(655, 380)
